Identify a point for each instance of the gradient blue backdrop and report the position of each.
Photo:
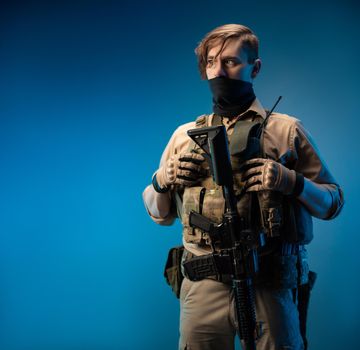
(90, 92)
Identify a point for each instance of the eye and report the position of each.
(230, 62)
(210, 62)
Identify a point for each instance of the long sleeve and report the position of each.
(322, 195)
(160, 205)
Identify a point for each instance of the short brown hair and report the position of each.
(221, 35)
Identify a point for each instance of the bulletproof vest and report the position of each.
(260, 211)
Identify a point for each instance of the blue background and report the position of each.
(90, 92)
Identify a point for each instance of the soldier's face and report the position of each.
(232, 62)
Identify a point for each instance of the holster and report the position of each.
(172, 271)
(303, 298)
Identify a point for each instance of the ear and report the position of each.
(256, 68)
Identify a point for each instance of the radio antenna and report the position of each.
(263, 124)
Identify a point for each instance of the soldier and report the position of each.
(290, 168)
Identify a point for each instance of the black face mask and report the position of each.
(231, 97)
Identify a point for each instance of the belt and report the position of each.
(213, 266)
(286, 268)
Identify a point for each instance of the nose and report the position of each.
(217, 70)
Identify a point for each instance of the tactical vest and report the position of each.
(266, 211)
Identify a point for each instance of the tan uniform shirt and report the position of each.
(285, 140)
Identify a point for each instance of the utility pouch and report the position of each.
(290, 232)
(172, 271)
(271, 212)
(278, 272)
(209, 203)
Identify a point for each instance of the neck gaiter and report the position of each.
(231, 97)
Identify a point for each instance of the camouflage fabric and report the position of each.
(208, 200)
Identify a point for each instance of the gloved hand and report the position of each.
(180, 169)
(266, 174)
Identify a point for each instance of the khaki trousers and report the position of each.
(208, 322)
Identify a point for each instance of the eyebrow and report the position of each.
(226, 57)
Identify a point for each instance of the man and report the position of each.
(289, 167)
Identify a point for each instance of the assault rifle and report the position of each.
(238, 243)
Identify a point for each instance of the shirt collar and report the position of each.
(256, 107)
